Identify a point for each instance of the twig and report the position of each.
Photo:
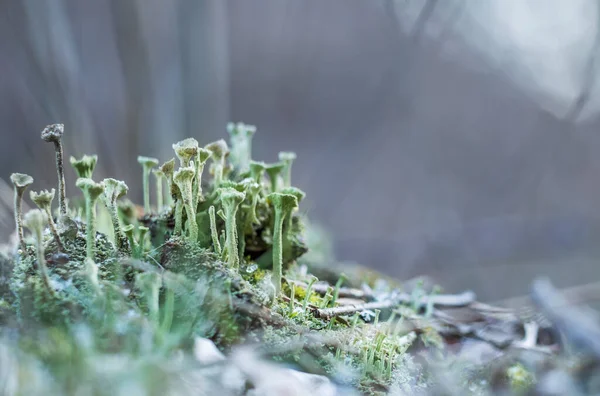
(329, 313)
(450, 300)
(344, 292)
(441, 300)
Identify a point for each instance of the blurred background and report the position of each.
(451, 138)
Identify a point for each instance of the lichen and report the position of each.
(219, 258)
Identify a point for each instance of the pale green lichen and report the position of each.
(213, 231)
(53, 134)
(287, 158)
(257, 170)
(274, 171)
(147, 164)
(186, 150)
(241, 144)
(91, 191)
(84, 167)
(201, 158)
(182, 271)
(113, 191)
(159, 176)
(43, 200)
(219, 151)
(168, 168)
(283, 205)
(231, 199)
(35, 220)
(20, 182)
(184, 178)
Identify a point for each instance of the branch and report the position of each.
(442, 300)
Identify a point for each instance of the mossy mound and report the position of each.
(224, 257)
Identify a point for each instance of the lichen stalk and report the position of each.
(53, 134)
(18, 203)
(178, 217)
(231, 199)
(34, 220)
(113, 190)
(142, 241)
(147, 165)
(129, 233)
(44, 200)
(92, 192)
(150, 284)
(202, 157)
(287, 157)
(90, 216)
(257, 170)
(252, 192)
(283, 205)
(158, 174)
(219, 151)
(274, 170)
(20, 182)
(287, 228)
(241, 144)
(168, 168)
(184, 179)
(213, 230)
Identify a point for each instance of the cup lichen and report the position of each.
(168, 168)
(84, 166)
(186, 150)
(213, 231)
(201, 159)
(274, 171)
(20, 182)
(231, 199)
(147, 164)
(92, 191)
(43, 200)
(283, 204)
(287, 158)
(53, 134)
(35, 220)
(159, 176)
(241, 144)
(219, 151)
(113, 191)
(184, 178)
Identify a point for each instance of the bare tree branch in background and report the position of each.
(424, 16)
(589, 78)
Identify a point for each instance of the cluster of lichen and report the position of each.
(221, 226)
(240, 212)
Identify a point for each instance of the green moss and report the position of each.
(521, 380)
(150, 299)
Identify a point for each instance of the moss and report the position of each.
(148, 304)
(520, 379)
